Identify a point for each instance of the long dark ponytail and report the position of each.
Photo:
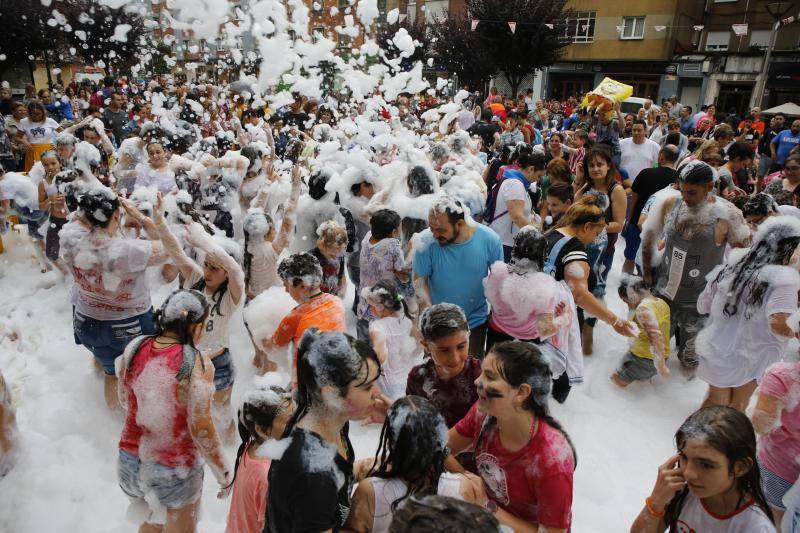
(331, 359)
(521, 363)
(730, 432)
(412, 447)
(387, 293)
(259, 409)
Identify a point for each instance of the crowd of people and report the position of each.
(477, 234)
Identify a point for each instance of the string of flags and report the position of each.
(738, 29)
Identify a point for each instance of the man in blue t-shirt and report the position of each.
(452, 259)
(783, 143)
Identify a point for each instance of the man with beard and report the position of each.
(695, 226)
(450, 262)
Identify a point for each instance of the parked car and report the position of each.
(634, 103)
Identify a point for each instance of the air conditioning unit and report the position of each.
(706, 67)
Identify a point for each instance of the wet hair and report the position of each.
(697, 173)
(520, 150)
(558, 170)
(760, 204)
(412, 447)
(301, 268)
(66, 139)
(741, 150)
(253, 153)
(774, 243)
(442, 320)
(529, 252)
(180, 311)
(534, 159)
(729, 432)
(601, 152)
(331, 233)
(328, 359)
(99, 205)
(317, 183)
(383, 223)
(48, 153)
(419, 181)
(521, 363)
(387, 293)
(562, 191)
(259, 410)
(439, 151)
(586, 209)
(630, 285)
(442, 514)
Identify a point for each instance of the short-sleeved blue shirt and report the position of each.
(784, 142)
(455, 271)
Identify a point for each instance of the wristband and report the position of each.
(652, 512)
(491, 506)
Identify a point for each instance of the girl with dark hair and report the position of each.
(713, 483)
(531, 306)
(111, 299)
(749, 301)
(510, 429)
(393, 336)
(600, 178)
(221, 280)
(37, 133)
(409, 463)
(310, 485)
(165, 387)
(262, 417)
(556, 148)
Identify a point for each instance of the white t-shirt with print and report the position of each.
(510, 189)
(39, 132)
(215, 336)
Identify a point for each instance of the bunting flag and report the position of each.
(475, 24)
(698, 28)
(513, 26)
(659, 28)
(739, 29)
(403, 17)
(551, 26)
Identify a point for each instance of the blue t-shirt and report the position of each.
(455, 272)
(784, 142)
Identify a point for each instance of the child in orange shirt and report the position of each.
(301, 275)
(263, 416)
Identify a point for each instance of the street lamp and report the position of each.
(777, 11)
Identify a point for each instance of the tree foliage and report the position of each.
(492, 47)
(81, 28)
(390, 54)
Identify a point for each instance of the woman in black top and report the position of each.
(310, 483)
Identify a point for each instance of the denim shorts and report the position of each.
(224, 372)
(107, 339)
(173, 487)
(633, 239)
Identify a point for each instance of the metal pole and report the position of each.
(761, 84)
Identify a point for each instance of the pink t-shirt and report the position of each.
(249, 501)
(517, 300)
(533, 483)
(779, 449)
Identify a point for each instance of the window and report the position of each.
(632, 28)
(717, 41)
(343, 4)
(760, 38)
(580, 27)
(317, 5)
(317, 34)
(344, 41)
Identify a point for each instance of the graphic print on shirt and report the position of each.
(683, 527)
(493, 476)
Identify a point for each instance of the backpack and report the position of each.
(489, 215)
(552, 256)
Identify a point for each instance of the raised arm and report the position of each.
(289, 217)
(197, 237)
(186, 266)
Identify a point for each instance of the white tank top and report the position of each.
(387, 491)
